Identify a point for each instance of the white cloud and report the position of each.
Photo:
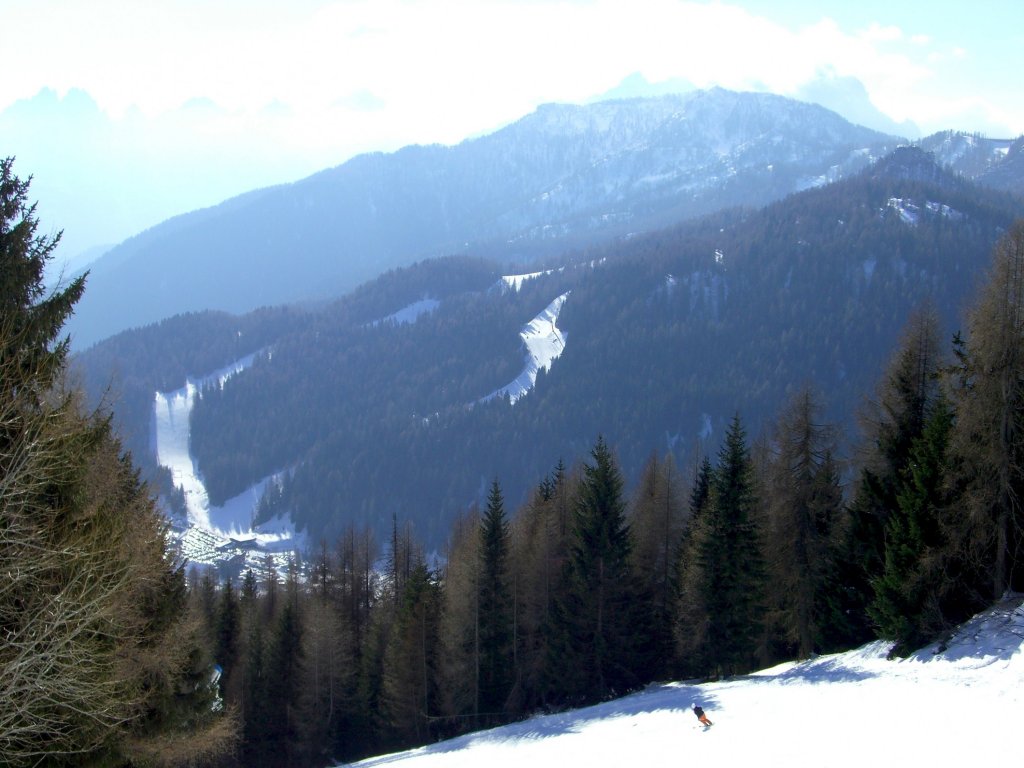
(882, 34)
(442, 69)
(316, 81)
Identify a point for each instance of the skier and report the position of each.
(700, 715)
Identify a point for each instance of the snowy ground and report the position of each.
(515, 282)
(214, 534)
(961, 707)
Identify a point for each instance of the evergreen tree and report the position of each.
(495, 609)
(701, 490)
(371, 718)
(271, 590)
(284, 679)
(227, 632)
(909, 592)
(726, 582)
(595, 645)
(31, 319)
(254, 707)
(895, 420)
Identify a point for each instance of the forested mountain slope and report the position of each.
(666, 337)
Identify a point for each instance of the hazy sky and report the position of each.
(162, 106)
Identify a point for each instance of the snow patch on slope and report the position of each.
(515, 282)
(910, 212)
(409, 314)
(545, 342)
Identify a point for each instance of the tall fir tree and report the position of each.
(728, 568)
(495, 610)
(596, 646)
(227, 632)
(32, 355)
(894, 420)
(909, 593)
(101, 659)
(284, 680)
(253, 672)
(701, 490)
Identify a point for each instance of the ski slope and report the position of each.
(959, 707)
(544, 342)
(212, 532)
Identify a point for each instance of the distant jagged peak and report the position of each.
(643, 113)
(601, 116)
(636, 85)
(848, 97)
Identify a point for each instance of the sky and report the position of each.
(128, 113)
(952, 708)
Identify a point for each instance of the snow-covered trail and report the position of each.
(171, 436)
(544, 341)
(959, 708)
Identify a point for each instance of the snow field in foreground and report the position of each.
(962, 707)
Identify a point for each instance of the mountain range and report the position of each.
(363, 412)
(562, 177)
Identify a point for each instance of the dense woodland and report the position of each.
(668, 334)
